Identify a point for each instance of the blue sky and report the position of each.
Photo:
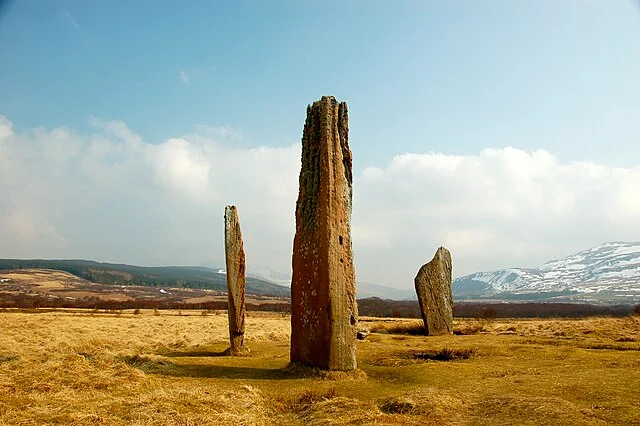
(420, 77)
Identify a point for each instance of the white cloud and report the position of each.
(118, 129)
(503, 207)
(196, 72)
(180, 165)
(5, 127)
(110, 196)
(69, 19)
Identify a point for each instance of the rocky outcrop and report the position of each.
(234, 251)
(362, 333)
(433, 286)
(324, 313)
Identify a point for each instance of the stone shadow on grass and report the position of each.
(221, 372)
(157, 365)
(195, 354)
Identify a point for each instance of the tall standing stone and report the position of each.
(234, 251)
(323, 292)
(433, 286)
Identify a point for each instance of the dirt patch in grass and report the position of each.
(446, 354)
(398, 405)
(8, 358)
(412, 356)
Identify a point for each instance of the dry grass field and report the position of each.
(166, 368)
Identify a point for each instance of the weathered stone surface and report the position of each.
(433, 286)
(324, 313)
(234, 251)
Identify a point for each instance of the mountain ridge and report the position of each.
(609, 272)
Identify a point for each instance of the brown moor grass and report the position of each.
(83, 368)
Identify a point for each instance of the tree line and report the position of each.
(373, 307)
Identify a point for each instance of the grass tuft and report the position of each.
(413, 328)
(396, 405)
(307, 398)
(147, 363)
(8, 358)
(609, 346)
(468, 329)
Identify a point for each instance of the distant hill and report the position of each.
(162, 276)
(608, 273)
(365, 290)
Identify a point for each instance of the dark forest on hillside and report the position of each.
(162, 276)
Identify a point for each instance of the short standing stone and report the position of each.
(324, 313)
(234, 251)
(433, 286)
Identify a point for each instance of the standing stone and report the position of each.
(324, 313)
(234, 251)
(433, 286)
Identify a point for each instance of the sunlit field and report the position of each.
(167, 368)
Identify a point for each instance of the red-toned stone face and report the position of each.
(323, 296)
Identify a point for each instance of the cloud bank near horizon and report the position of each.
(111, 196)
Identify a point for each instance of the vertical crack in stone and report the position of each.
(324, 311)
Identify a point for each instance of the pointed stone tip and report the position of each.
(442, 252)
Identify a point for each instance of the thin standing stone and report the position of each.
(234, 251)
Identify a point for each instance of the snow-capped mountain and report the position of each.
(364, 289)
(608, 272)
(270, 275)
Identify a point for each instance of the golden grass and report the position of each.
(92, 367)
(411, 327)
(43, 278)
